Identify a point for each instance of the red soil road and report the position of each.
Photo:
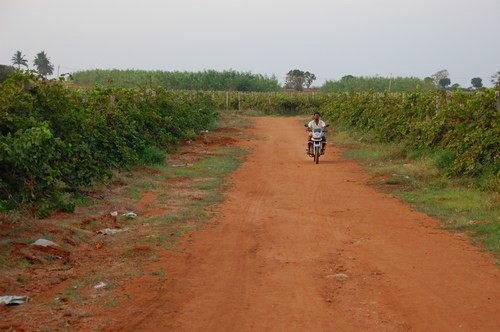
(304, 247)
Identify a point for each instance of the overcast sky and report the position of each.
(330, 38)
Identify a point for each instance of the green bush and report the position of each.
(464, 131)
(443, 159)
(55, 140)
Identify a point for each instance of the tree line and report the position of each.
(208, 80)
(231, 80)
(438, 81)
(351, 83)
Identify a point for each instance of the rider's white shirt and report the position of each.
(321, 125)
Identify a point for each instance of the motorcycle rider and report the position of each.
(316, 123)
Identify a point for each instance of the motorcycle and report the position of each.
(316, 146)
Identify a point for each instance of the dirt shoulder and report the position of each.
(170, 200)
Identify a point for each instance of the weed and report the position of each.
(135, 194)
(72, 294)
(151, 155)
(158, 273)
(147, 185)
(113, 303)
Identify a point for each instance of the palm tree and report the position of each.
(43, 65)
(19, 60)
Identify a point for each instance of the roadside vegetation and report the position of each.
(208, 80)
(55, 141)
(351, 84)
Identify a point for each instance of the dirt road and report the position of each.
(304, 247)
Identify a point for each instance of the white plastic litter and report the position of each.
(111, 231)
(45, 243)
(100, 285)
(182, 165)
(130, 214)
(114, 214)
(9, 300)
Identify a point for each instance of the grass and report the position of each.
(190, 200)
(71, 294)
(9, 261)
(113, 303)
(462, 204)
(208, 177)
(466, 209)
(151, 155)
(158, 273)
(147, 185)
(154, 258)
(135, 194)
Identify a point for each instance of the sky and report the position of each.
(330, 38)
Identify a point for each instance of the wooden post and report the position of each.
(239, 101)
(227, 100)
(498, 100)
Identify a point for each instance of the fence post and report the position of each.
(227, 100)
(498, 100)
(239, 101)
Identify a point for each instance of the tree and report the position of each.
(19, 60)
(43, 65)
(444, 82)
(437, 77)
(347, 78)
(495, 79)
(477, 82)
(5, 71)
(295, 80)
(309, 78)
(455, 86)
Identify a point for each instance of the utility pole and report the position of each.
(390, 82)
